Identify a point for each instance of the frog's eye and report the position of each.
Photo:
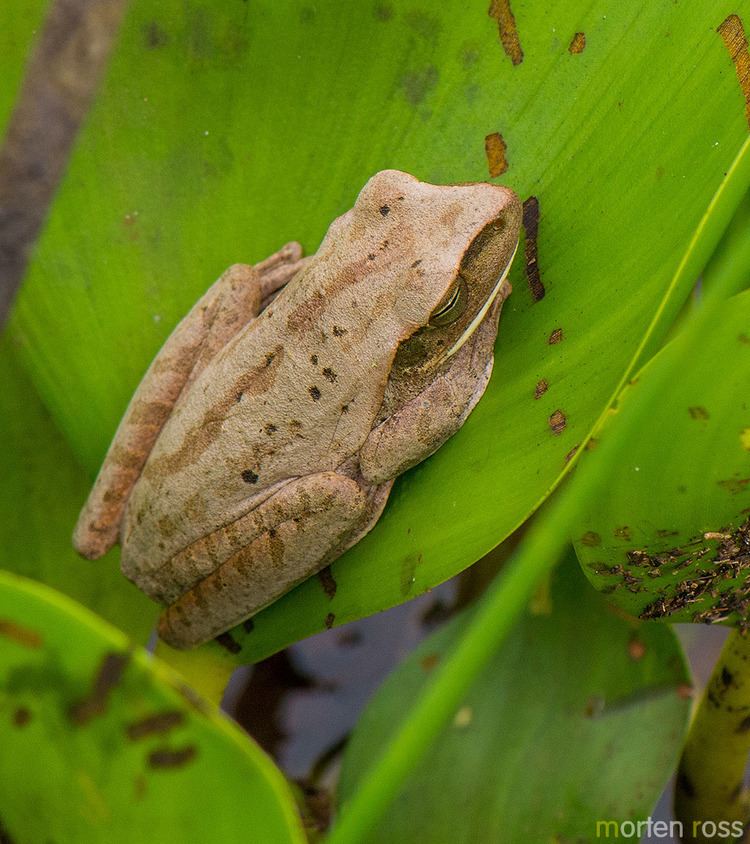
(451, 308)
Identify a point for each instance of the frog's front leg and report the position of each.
(237, 297)
(417, 430)
(289, 537)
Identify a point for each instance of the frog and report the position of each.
(265, 437)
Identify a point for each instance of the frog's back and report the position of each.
(297, 390)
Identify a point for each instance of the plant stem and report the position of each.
(495, 615)
(710, 777)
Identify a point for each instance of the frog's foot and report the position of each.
(289, 537)
(229, 304)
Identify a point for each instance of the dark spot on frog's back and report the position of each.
(314, 393)
(250, 477)
(329, 374)
(338, 331)
(385, 210)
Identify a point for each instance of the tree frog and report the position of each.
(265, 437)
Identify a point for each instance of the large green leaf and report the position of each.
(102, 743)
(21, 20)
(224, 130)
(671, 537)
(40, 494)
(577, 719)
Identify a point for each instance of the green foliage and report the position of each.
(41, 491)
(101, 743)
(579, 710)
(223, 130)
(685, 478)
(212, 142)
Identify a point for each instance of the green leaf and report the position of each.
(103, 743)
(670, 538)
(577, 719)
(42, 487)
(224, 131)
(21, 20)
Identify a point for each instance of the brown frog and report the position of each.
(264, 438)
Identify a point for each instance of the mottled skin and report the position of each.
(263, 441)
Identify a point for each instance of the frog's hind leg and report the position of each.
(285, 540)
(228, 305)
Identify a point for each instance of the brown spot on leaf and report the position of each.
(157, 724)
(229, 643)
(732, 32)
(734, 486)
(327, 581)
(429, 661)
(154, 35)
(622, 532)
(636, 649)
(506, 26)
(107, 677)
(383, 12)
(698, 413)
(164, 757)
(572, 453)
(531, 228)
(578, 43)
(494, 149)
(557, 422)
(20, 634)
(418, 84)
(556, 337)
(21, 716)
(591, 539)
(541, 388)
(328, 620)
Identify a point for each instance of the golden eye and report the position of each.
(451, 308)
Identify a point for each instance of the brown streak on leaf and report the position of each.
(494, 148)
(506, 26)
(557, 422)
(578, 44)
(328, 582)
(107, 678)
(229, 643)
(531, 227)
(157, 724)
(165, 758)
(18, 633)
(732, 32)
(541, 388)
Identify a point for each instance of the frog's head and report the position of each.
(449, 249)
